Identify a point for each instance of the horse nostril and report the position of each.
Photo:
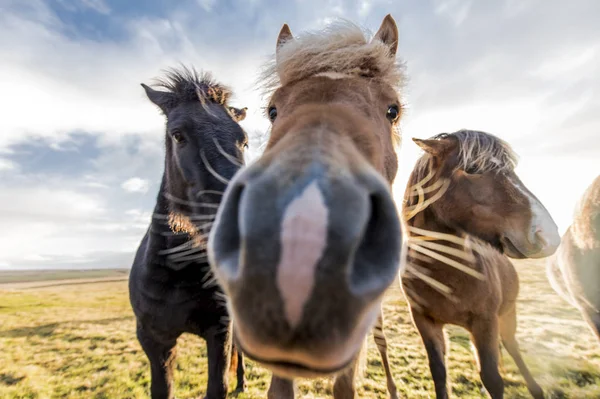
(539, 238)
(224, 242)
(378, 256)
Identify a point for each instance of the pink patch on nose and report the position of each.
(303, 241)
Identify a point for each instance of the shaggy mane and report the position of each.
(342, 47)
(482, 152)
(190, 85)
(478, 152)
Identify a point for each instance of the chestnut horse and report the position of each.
(465, 207)
(308, 239)
(574, 271)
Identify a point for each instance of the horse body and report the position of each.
(494, 293)
(308, 239)
(466, 211)
(574, 271)
(171, 286)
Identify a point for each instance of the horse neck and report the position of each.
(160, 229)
(427, 220)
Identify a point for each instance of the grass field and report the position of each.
(75, 339)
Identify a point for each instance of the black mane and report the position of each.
(189, 85)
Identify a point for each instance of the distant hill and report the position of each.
(27, 276)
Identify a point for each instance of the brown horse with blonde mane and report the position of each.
(574, 271)
(467, 211)
(308, 238)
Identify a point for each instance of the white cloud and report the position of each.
(136, 185)
(456, 10)
(524, 70)
(6, 165)
(52, 74)
(47, 226)
(35, 258)
(97, 5)
(207, 5)
(43, 204)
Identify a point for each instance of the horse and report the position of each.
(308, 238)
(467, 213)
(574, 271)
(171, 287)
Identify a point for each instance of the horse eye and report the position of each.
(393, 113)
(272, 113)
(178, 137)
(471, 170)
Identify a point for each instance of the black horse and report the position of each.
(170, 287)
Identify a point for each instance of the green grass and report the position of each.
(78, 341)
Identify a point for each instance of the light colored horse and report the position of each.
(574, 271)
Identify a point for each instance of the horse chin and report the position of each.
(510, 249)
(290, 362)
(291, 370)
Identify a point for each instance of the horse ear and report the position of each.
(388, 34)
(238, 114)
(162, 99)
(285, 34)
(430, 146)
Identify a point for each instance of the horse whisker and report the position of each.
(229, 157)
(423, 181)
(203, 192)
(182, 254)
(420, 269)
(414, 254)
(448, 261)
(429, 234)
(173, 233)
(412, 211)
(421, 198)
(210, 283)
(178, 266)
(433, 283)
(178, 248)
(211, 170)
(190, 203)
(205, 226)
(426, 190)
(167, 218)
(415, 298)
(221, 295)
(468, 256)
(199, 258)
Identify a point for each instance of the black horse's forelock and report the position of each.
(189, 85)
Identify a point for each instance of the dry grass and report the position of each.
(77, 341)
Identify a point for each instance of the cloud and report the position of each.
(44, 227)
(456, 10)
(207, 5)
(135, 185)
(6, 165)
(44, 203)
(79, 136)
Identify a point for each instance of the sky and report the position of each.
(81, 147)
